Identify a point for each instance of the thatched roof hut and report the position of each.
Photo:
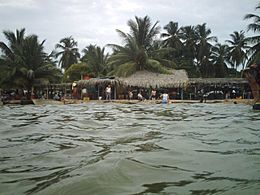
(99, 81)
(215, 81)
(52, 85)
(147, 79)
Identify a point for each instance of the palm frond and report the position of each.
(124, 70)
(156, 66)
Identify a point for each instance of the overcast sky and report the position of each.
(95, 21)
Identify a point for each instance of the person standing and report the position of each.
(165, 98)
(108, 92)
(153, 94)
(130, 95)
(140, 96)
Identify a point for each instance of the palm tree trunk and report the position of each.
(255, 87)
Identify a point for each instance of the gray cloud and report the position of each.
(94, 22)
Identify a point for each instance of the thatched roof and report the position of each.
(147, 79)
(217, 81)
(61, 85)
(53, 85)
(99, 81)
(143, 79)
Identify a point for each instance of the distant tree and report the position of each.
(24, 62)
(203, 50)
(96, 59)
(189, 38)
(172, 35)
(254, 51)
(37, 68)
(220, 60)
(133, 56)
(11, 60)
(160, 53)
(188, 35)
(76, 71)
(69, 52)
(237, 48)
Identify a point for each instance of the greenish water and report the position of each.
(130, 149)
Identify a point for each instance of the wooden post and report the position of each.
(65, 92)
(98, 92)
(182, 92)
(114, 92)
(47, 92)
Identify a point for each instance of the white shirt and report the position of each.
(165, 97)
(108, 89)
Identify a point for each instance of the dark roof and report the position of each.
(217, 81)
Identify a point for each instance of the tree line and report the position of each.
(24, 63)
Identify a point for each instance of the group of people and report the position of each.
(164, 96)
(141, 95)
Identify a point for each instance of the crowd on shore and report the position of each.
(140, 94)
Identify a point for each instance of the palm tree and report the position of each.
(24, 61)
(142, 31)
(220, 59)
(203, 49)
(69, 52)
(162, 54)
(203, 41)
(15, 41)
(172, 43)
(255, 27)
(254, 51)
(11, 59)
(96, 59)
(237, 49)
(189, 38)
(133, 56)
(172, 35)
(188, 35)
(37, 69)
(76, 71)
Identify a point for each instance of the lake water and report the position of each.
(140, 148)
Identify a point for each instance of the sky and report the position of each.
(95, 21)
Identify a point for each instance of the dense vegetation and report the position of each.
(24, 64)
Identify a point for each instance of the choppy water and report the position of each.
(130, 149)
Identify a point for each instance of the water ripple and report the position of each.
(111, 148)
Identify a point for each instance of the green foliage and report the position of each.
(231, 73)
(173, 36)
(220, 60)
(69, 52)
(254, 51)
(155, 66)
(76, 71)
(237, 48)
(96, 59)
(135, 55)
(124, 70)
(24, 63)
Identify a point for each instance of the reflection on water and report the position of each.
(130, 149)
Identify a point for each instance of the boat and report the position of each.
(47, 102)
(256, 106)
(26, 102)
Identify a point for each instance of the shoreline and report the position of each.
(125, 101)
